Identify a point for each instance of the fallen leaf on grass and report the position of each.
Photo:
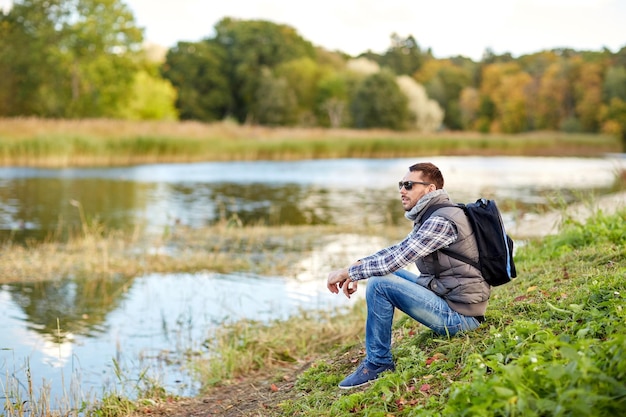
(400, 403)
(434, 358)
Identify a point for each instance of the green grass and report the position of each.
(553, 344)
(62, 143)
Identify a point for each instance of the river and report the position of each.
(124, 331)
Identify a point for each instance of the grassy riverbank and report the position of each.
(553, 343)
(63, 143)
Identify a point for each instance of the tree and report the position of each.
(469, 107)
(302, 76)
(490, 57)
(553, 95)
(101, 45)
(614, 83)
(619, 58)
(444, 82)
(28, 39)
(588, 94)
(363, 66)
(198, 71)
(536, 64)
(88, 48)
(152, 98)
(379, 102)
(427, 114)
(276, 102)
(404, 57)
(513, 103)
(505, 87)
(613, 117)
(333, 92)
(251, 46)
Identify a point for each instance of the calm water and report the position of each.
(37, 203)
(70, 333)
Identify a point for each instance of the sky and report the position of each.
(447, 27)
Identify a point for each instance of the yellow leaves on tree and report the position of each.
(509, 89)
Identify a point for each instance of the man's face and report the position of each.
(410, 197)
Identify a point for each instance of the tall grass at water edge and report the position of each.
(63, 143)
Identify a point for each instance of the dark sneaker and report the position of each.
(364, 374)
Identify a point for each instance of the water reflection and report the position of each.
(147, 326)
(35, 203)
(64, 308)
(37, 207)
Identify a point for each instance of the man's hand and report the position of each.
(340, 279)
(349, 287)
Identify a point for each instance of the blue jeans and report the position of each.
(400, 290)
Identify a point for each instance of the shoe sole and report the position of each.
(356, 386)
(392, 369)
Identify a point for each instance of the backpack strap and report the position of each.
(460, 257)
(430, 210)
(435, 258)
(435, 255)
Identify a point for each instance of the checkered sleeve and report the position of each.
(435, 233)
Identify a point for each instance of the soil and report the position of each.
(256, 395)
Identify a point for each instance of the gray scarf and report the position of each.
(422, 203)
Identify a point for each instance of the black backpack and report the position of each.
(495, 246)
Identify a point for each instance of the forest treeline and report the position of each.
(87, 59)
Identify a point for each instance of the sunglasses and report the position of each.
(408, 185)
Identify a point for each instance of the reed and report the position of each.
(102, 254)
(246, 347)
(21, 399)
(62, 143)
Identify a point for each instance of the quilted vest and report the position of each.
(460, 284)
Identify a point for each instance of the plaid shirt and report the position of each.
(435, 233)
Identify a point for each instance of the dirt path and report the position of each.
(255, 395)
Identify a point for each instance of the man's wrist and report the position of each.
(350, 272)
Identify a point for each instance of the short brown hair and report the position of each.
(430, 173)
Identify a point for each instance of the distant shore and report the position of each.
(98, 142)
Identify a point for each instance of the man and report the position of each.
(448, 296)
